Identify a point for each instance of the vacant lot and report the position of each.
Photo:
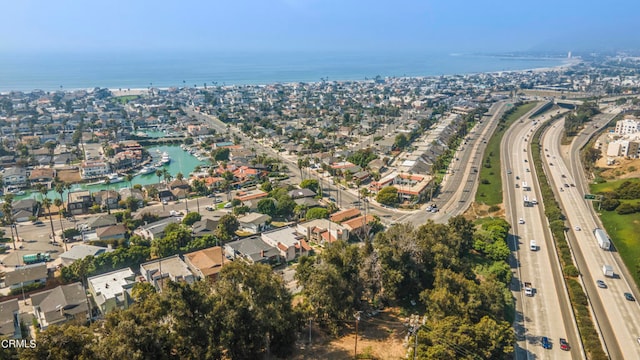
(69, 175)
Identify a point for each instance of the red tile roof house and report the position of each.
(343, 215)
(290, 243)
(250, 195)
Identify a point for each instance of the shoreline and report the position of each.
(138, 90)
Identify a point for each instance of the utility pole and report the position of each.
(355, 353)
(309, 330)
(414, 326)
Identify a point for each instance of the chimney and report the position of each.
(262, 253)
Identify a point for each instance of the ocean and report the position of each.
(66, 71)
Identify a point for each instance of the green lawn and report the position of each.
(491, 193)
(623, 229)
(609, 185)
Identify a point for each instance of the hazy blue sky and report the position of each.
(442, 25)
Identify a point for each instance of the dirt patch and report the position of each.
(380, 337)
(476, 211)
(69, 175)
(622, 169)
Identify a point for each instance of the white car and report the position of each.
(577, 228)
(521, 221)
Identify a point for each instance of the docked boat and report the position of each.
(146, 170)
(165, 158)
(114, 178)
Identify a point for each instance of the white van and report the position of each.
(532, 245)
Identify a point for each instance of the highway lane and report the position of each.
(548, 312)
(619, 319)
(459, 187)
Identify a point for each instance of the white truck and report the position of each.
(528, 289)
(603, 240)
(607, 270)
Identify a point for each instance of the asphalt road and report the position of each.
(548, 312)
(618, 318)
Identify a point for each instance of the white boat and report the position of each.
(115, 178)
(146, 170)
(165, 158)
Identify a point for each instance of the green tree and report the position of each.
(227, 227)
(256, 312)
(311, 184)
(400, 142)
(388, 196)
(266, 206)
(62, 343)
(317, 213)
(191, 218)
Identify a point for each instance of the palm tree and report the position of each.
(46, 202)
(179, 176)
(166, 175)
(58, 203)
(108, 182)
(129, 178)
(59, 187)
(67, 187)
(7, 213)
(159, 174)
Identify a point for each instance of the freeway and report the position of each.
(618, 318)
(547, 313)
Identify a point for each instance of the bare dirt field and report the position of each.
(72, 175)
(476, 211)
(380, 337)
(623, 169)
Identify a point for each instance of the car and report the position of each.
(525, 150)
(572, 185)
(517, 177)
(217, 200)
(561, 190)
(629, 297)
(210, 208)
(564, 345)
(517, 186)
(551, 164)
(38, 222)
(165, 202)
(566, 185)
(509, 172)
(577, 228)
(525, 160)
(564, 176)
(211, 195)
(521, 221)
(228, 205)
(601, 284)
(546, 343)
(528, 170)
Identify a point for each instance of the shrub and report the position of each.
(571, 270)
(494, 208)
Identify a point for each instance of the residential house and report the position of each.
(79, 201)
(43, 176)
(10, 319)
(26, 275)
(107, 198)
(288, 241)
(113, 232)
(322, 231)
(250, 195)
(302, 193)
(81, 251)
(173, 268)
(94, 169)
(101, 221)
(14, 177)
(155, 230)
(342, 215)
(205, 226)
(206, 263)
(254, 222)
(253, 249)
(358, 224)
(60, 304)
(112, 290)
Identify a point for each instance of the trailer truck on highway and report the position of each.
(603, 240)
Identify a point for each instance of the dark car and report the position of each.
(629, 297)
(564, 345)
(38, 222)
(546, 343)
(601, 284)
